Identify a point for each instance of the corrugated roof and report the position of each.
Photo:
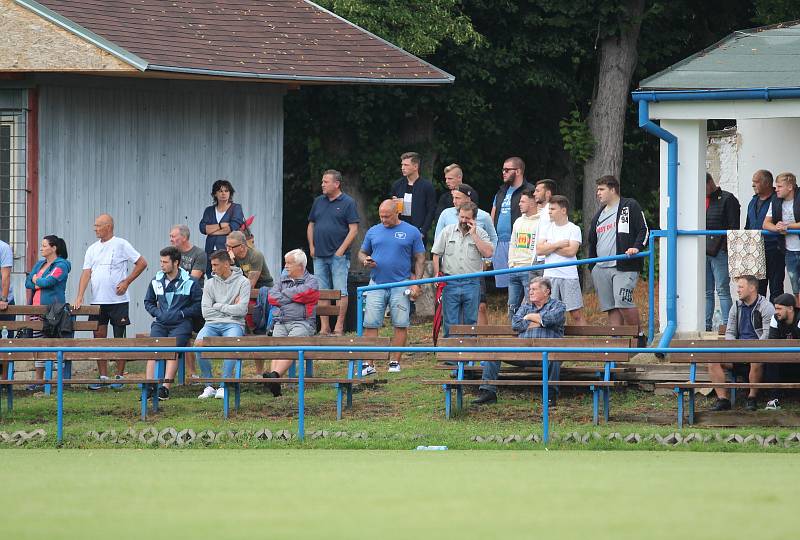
(288, 40)
(756, 58)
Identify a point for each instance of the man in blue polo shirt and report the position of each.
(387, 250)
(332, 227)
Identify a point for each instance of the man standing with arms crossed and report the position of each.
(618, 228)
(782, 217)
(105, 265)
(332, 227)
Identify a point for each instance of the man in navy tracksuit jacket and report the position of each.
(756, 212)
(173, 299)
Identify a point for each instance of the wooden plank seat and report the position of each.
(501, 330)
(23, 311)
(607, 359)
(331, 296)
(732, 355)
(8, 355)
(344, 385)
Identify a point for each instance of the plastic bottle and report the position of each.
(4, 332)
(716, 320)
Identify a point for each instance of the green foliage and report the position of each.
(577, 137)
(776, 11)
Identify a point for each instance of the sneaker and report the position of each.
(220, 393)
(751, 404)
(148, 392)
(367, 369)
(163, 393)
(193, 380)
(721, 405)
(34, 387)
(394, 367)
(98, 386)
(117, 386)
(772, 405)
(275, 388)
(208, 392)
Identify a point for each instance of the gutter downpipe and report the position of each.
(672, 216)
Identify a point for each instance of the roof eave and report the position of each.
(301, 78)
(84, 33)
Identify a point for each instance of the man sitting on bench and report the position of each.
(541, 317)
(749, 318)
(295, 300)
(785, 324)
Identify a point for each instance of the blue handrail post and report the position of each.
(651, 291)
(359, 333)
(10, 388)
(60, 397)
(301, 396)
(48, 374)
(545, 399)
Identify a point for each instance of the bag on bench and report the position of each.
(57, 321)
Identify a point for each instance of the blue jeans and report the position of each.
(375, 307)
(331, 272)
(793, 269)
(219, 330)
(717, 277)
(460, 299)
(518, 289)
(491, 370)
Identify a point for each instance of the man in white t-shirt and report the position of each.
(105, 265)
(560, 242)
(782, 216)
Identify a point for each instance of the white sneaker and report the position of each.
(220, 394)
(394, 367)
(772, 405)
(208, 392)
(367, 369)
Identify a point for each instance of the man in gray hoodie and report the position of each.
(225, 298)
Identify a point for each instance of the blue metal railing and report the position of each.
(544, 351)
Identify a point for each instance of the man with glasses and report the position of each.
(505, 211)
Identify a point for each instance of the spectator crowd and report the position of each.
(207, 290)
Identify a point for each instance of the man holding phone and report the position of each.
(463, 245)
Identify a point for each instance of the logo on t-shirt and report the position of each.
(524, 240)
(400, 235)
(605, 227)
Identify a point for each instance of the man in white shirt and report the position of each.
(560, 242)
(105, 266)
(783, 216)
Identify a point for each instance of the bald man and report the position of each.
(387, 251)
(105, 266)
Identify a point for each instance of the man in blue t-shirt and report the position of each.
(505, 211)
(332, 227)
(387, 250)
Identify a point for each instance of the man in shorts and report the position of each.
(332, 227)
(387, 251)
(195, 261)
(294, 303)
(105, 266)
(560, 242)
(173, 299)
(618, 228)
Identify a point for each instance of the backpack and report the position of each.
(262, 312)
(57, 321)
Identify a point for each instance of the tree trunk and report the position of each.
(606, 120)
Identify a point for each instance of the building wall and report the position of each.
(147, 152)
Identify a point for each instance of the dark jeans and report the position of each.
(776, 272)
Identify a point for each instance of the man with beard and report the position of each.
(463, 246)
(785, 324)
(505, 211)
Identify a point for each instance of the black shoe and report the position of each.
(163, 393)
(148, 392)
(721, 405)
(751, 404)
(275, 388)
(486, 397)
(641, 341)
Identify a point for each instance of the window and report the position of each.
(13, 184)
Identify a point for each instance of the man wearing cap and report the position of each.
(749, 318)
(785, 324)
(464, 193)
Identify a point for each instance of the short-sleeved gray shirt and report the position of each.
(195, 259)
(607, 235)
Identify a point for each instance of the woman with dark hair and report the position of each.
(220, 218)
(48, 281)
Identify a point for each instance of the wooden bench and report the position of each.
(8, 354)
(342, 384)
(607, 359)
(732, 356)
(330, 295)
(504, 330)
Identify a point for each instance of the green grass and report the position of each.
(395, 494)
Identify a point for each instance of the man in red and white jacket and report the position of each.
(294, 299)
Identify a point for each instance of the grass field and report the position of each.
(396, 494)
